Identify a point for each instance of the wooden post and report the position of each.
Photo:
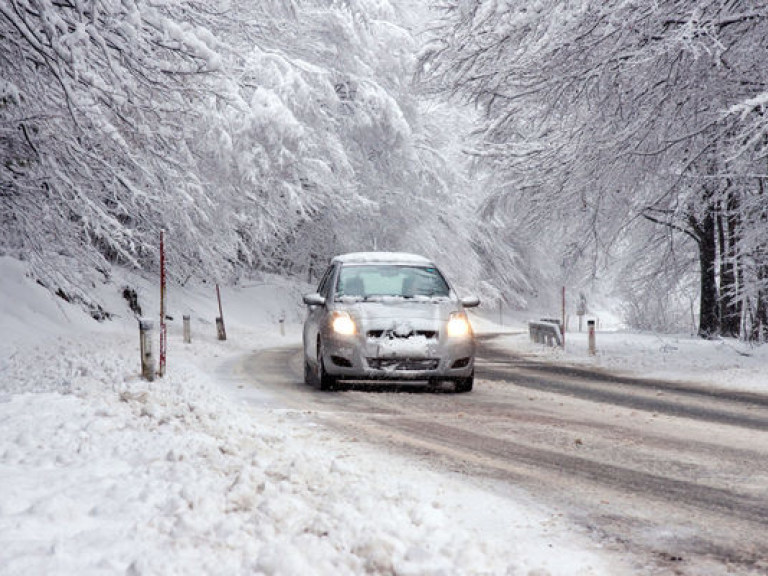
(163, 333)
(187, 330)
(591, 337)
(222, 332)
(145, 344)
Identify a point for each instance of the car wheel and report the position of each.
(325, 380)
(309, 375)
(464, 384)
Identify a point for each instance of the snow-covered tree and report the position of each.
(96, 97)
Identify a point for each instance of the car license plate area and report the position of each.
(403, 364)
(412, 347)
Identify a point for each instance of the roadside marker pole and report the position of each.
(161, 367)
(145, 344)
(220, 320)
(563, 324)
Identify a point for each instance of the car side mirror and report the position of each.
(313, 299)
(470, 302)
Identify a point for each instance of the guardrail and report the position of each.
(545, 332)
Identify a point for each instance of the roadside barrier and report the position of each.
(546, 332)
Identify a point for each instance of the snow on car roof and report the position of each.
(383, 257)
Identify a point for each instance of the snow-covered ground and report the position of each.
(722, 363)
(103, 473)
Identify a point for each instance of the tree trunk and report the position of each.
(760, 324)
(730, 298)
(757, 329)
(708, 303)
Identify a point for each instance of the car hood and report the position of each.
(420, 313)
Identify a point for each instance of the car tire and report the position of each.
(309, 375)
(464, 384)
(324, 380)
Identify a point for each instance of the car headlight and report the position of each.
(343, 324)
(458, 325)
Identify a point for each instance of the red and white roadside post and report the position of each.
(161, 366)
(591, 337)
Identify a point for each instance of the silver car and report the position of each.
(387, 316)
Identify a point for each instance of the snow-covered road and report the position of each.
(673, 475)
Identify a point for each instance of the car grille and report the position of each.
(403, 363)
(429, 334)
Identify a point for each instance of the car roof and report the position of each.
(382, 258)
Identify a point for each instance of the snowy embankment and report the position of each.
(721, 363)
(103, 473)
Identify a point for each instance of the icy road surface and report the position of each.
(672, 475)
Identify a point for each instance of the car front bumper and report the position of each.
(363, 358)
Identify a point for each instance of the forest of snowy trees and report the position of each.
(638, 128)
(264, 135)
(523, 145)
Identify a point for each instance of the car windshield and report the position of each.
(378, 281)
